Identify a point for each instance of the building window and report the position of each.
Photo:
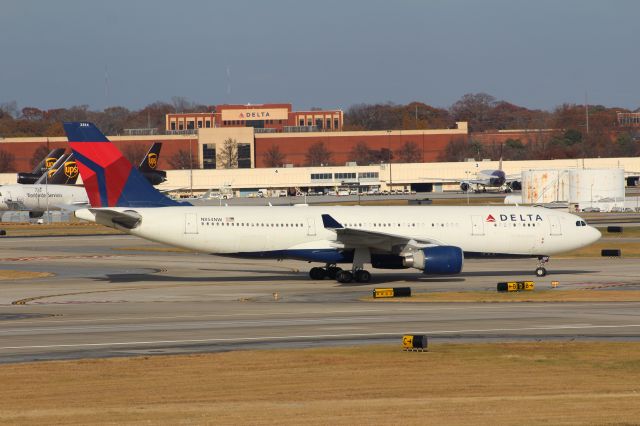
(190, 125)
(199, 124)
(309, 123)
(368, 175)
(328, 123)
(207, 124)
(319, 123)
(336, 123)
(321, 176)
(301, 122)
(345, 176)
(181, 126)
(244, 156)
(209, 156)
(173, 125)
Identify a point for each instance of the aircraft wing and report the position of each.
(352, 237)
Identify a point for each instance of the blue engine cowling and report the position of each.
(436, 260)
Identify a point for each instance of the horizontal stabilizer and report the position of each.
(330, 223)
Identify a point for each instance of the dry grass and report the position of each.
(629, 249)
(517, 383)
(522, 296)
(154, 249)
(7, 274)
(61, 228)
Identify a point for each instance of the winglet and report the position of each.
(330, 223)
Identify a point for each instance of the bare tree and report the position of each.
(181, 160)
(38, 154)
(228, 155)
(134, 153)
(7, 161)
(273, 157)
(409, 153)
(361, 154)
(318, 155)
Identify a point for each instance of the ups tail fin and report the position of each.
(150, 161)
(48, 161)
(39, 170)
(149, 165)
(109, 178)
(64, 172)
(47, 176)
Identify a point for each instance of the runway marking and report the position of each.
(31, 258)
(316, 336)
(393, 309)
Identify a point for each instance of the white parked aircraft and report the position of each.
(434, 240)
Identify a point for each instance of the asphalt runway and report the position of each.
(113, 296)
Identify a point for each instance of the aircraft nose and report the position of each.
(594, 234)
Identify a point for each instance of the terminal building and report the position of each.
(275, 147)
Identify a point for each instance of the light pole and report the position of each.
(190, 168)
(467, 191)
(389, 159)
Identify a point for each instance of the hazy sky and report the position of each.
(328, 53)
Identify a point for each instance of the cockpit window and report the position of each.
(581, 223)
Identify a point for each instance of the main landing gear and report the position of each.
(541, 271)
(342, 276)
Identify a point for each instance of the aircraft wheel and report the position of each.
(344, 277)
(332, 272)
(541, 272)
(363, 276)
(317, 273)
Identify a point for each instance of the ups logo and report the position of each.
(70, 169)
(50, 161)
(51, 172)
(152, 160)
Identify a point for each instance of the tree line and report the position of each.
(483, 113)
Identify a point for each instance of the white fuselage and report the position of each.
(37, 197)
(503, 230)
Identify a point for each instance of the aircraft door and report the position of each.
(311, 226)
(190, 223)
(477, 225)
(554, 222)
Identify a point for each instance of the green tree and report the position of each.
(626, 146)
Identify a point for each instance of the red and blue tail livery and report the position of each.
(109, 178)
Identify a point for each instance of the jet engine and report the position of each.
(436, 260)
(516, 185)
(465, 186)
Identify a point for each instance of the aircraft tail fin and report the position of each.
(109, 178)
(48, 161)
(150, 161)
(64, 172)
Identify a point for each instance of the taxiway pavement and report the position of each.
(117, 296)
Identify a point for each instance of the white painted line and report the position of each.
(317, 336)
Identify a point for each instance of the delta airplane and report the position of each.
(434, 240)
(54, 190)
(495, 178)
